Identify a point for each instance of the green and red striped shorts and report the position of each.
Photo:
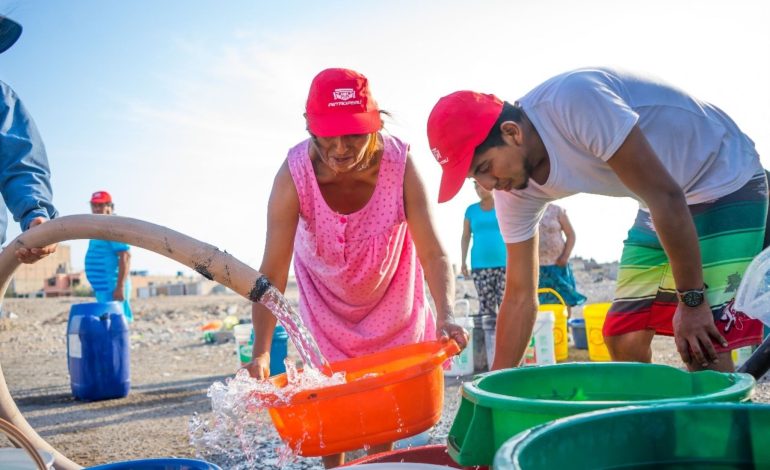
(730, 230)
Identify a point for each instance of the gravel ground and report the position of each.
(172, 368)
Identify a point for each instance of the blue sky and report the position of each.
(184, 110)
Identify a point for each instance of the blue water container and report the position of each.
(158, 464)
(98, 351)
(278, 350)
(578, 326)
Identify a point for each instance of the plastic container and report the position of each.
(740, 355)
(560, 337)
(158, 464)
(244, 339)
(753, 295)
(462, 364)
(389, 395)
(431, 454)
(244, 342)
(541, 349)
(98, 351)
(578, 327)
(594, 315)
(500, 404)
(704, 436)
(19, 459)
(489, 325)
(480, 363)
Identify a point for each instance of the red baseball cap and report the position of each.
(101, 197)
(340, 103)
(458, 124)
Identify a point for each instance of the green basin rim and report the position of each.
(743, 385)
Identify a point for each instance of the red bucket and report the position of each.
(433, 454)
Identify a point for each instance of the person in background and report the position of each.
(108, 263)
(487, 252)
(348, 205)
(25, 177)
(553, 253)
(702, 192)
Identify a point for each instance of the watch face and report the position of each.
(692, 298)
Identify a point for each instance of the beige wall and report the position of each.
(29, 278)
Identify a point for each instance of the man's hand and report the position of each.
(454, 331)
(693, 331)
(30, 255)
(119, 294)
(562, 260)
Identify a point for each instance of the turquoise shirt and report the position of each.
(487, 246)
(102, 271)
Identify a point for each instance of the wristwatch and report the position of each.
(692, 297)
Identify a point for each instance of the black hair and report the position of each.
(510, 112)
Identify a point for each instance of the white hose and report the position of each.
(206, 259)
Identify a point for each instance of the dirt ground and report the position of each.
(171, 369)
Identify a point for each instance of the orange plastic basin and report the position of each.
(388, 396)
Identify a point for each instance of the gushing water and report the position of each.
(239, 424)
(299, 334)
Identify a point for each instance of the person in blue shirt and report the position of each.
(25, 178)
(108, 263)
(488, 254)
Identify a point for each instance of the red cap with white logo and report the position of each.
(458, 124)
(340, 103)
(101, 197)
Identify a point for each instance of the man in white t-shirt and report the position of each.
(602, 131)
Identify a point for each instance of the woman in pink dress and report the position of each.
(349, 207)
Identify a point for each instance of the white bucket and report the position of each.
(19, 459)
(541, 347)
(462, 364)
(489, 324)
(243, 343)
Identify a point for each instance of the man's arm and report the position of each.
(518, 310)
(639, 168)
(124, 267)
(25, 177)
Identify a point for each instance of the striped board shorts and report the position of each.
(731, 231)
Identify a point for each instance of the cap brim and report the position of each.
(9, 33)
(331, 125)
(452, 179)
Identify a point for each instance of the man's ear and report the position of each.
(511, 132)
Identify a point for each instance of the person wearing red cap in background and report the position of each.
(348, 206)
(701, 188)
(25, 178)
(108, 263)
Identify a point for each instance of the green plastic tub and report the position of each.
(679, 436)
(498, 405)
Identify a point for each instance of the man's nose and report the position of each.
(486, 182)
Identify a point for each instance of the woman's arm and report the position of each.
(434, 260)
(465, 241)
(282, 219)
(569, 233)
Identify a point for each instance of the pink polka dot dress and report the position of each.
(360, 282)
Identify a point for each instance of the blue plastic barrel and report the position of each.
(278, 350)
(578, 326)
(98, 351)
(158, 464)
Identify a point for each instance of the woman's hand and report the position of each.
(259, 367)
(454, 331)
(466, 272)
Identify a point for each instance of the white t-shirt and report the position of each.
(585, 115)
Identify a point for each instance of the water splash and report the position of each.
(298, 332)
(239, 424)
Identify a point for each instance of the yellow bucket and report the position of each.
(560, 338)
(594, 315)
